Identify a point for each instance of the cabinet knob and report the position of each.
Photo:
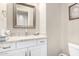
(42, 41)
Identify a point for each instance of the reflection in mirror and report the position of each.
(24, 16)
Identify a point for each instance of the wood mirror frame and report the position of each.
(15, 16)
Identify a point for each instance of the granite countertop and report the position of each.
(22, 38)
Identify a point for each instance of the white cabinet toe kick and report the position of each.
(37, 47)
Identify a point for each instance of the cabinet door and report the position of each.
(38, 51)
(43, 50)
(19, 52)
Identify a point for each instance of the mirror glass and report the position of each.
(24, 16)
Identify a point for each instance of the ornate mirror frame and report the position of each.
(15, 16)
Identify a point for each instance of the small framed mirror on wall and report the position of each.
(74, 11)
(24, 15)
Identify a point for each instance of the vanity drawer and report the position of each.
(41, 41)
(25, 44)
(7, 46)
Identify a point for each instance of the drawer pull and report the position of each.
(42, 41)
(6, 47)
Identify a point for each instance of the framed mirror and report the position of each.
(74, 11)
(23, 15)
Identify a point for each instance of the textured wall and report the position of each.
(20, 31)
(73, 29)
(57, 22)
(40, 20)
(3, 19)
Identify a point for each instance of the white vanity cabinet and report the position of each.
(34, 51)
(25, 44)
(18, 52)
(34, 47)
(38, 51)
(7, 46)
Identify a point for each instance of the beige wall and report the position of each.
(20, 31)
(40, 21)
(3, 19)
(8, 20)
(42, 8)
(71, 26)
(73, 29)
(64, 28)
(56, 28)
